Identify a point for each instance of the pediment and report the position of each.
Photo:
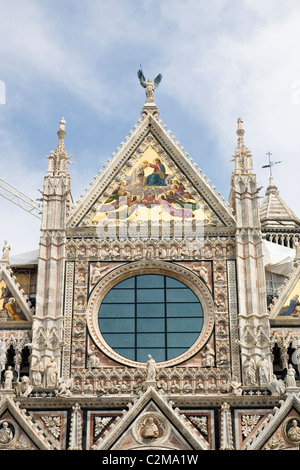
(286, 308)
(14, 306)
(281, 430)
(152, 423)
(151, 178)
(18, 431)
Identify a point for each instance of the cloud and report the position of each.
(220, 60)
(240, 62)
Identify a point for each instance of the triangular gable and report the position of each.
(286, 307)
(17, 429)
(281, 430)
(186, 192)
(151, 422)
(13, 303)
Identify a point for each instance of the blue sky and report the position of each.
(220, 60)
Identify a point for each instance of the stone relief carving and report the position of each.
(248, 423)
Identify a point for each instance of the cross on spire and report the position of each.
(270, 164)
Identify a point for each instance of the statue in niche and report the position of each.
(8, 378)
(250, 372)
(51, 373)
(37, 372)
(263, 371)
(199, 386)
(81, 278)
(187, 387)
(290, 380)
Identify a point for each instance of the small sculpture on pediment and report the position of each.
(151, 366)
(5, 251)
(150, 429)
(293, 432)
(6, 433)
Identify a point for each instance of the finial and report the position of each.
(149, 86)
(62, 123)
(270, 164)
(62, 129)
(240, 130)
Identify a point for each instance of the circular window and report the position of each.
(150, 314)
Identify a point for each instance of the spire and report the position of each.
(58, 159)
(242, 157)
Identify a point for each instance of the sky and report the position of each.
(220, 60)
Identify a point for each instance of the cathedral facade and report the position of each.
(155, 315)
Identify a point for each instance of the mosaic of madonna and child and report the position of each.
(151, 186)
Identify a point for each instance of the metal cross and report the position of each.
(270, 163)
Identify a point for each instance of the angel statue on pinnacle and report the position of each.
(149, 85)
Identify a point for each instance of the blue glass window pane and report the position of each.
(150, 325)
(150, 310)
(148, 340)
(184, 340)
(181, 295)
(117, 310)
(120, 296)
(150, 295)
(179, 309)
(184, 324)
(117, 340)
(150, 281)
(111, 325)
(174, 352)
(158, 354)
(129, 353)
(128, 283)
(170, 282)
